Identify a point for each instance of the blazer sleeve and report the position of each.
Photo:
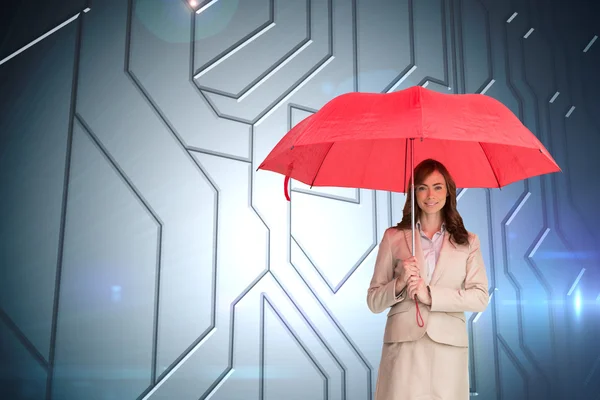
(474, 297)
(382, 290)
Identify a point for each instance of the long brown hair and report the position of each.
(450, 215)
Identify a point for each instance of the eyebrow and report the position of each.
(435, 184)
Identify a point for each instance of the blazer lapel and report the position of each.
(442, 259)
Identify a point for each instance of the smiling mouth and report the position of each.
(431, 204)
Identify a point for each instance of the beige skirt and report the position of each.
(423, 370)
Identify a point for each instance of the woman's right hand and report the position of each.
(404, 270)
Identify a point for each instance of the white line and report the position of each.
(512, 17)
(590, 44)
(410, 71)
(212, 392)
(232, 52)
(518, 209)
(570, 112)
(461, 194)
(44, 36)
(270, 74)
(296, 89)
(539, 243)
(528, 33)
(426, 84)
(179, 364)
(488, 86)
(204, 7)
(554, 97)
(576, 281)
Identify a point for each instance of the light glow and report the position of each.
(578, 302)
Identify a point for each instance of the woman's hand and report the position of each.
(416, 286)
(406, 269)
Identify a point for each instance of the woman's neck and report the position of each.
(431, 222)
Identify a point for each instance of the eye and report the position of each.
(421, 188)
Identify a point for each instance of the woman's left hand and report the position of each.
(416, 286)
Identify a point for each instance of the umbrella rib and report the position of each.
(492, 168)
(320, 165)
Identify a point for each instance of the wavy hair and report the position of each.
(454, 222)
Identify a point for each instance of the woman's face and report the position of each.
(431, 194)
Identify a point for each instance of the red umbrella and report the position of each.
(367, 140)
(362, 140)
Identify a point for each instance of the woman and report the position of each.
(427, 358)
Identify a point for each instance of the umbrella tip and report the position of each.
(286, 187)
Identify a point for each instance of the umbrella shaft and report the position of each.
(412, 196)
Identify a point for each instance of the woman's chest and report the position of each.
(446, 264)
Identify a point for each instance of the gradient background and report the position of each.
(142, 257)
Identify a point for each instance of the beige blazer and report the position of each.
(459, 283)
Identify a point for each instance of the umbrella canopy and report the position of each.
(363, 140)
